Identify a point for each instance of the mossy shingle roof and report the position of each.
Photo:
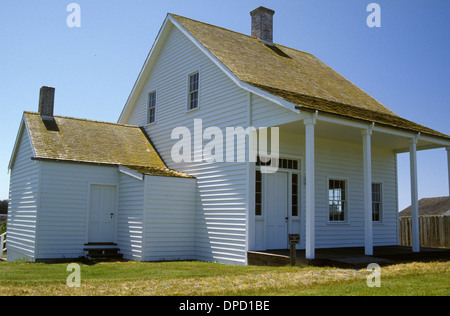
(80, 140)
(293, 75)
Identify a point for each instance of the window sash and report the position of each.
(337, 204)
(151, 116)
(193, 91)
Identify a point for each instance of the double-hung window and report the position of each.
(193, 91)
(337, 200)
(151, 111)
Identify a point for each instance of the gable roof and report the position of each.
(79, 140)
(430, 206)
(294, 76)
(278, 66)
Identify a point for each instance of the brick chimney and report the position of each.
(46, 101)
(262, 25)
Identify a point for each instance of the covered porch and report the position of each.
(352, 155)
(399, 140)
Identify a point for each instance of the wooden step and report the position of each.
(102, 251)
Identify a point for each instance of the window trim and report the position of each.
(189, 92)
(154, 107)
(346, 200)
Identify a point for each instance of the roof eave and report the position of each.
(440, 141)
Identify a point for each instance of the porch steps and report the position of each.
(102, 251)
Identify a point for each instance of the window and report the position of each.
(193, 91)
(258, 193)
(282, 162)
(376, 202)
(294, 194)
(337, 200)
(151, 114)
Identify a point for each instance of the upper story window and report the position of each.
(193, 91)
(151, 110)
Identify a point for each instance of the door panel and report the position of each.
(276, 192)
(102, 215)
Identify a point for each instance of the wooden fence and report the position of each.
(434, 231)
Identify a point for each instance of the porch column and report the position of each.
(414, 196)
(367, 157)
(310, 186)
(448, 168)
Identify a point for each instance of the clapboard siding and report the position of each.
(64, 206)
(222, 104)
(266, 113)
(130, 224)
(23, 205)
(169, 218)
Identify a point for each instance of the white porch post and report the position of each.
(448, 168)
(414, 196)
(310, 186)
(367, 157)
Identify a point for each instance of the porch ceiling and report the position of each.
(398, 142)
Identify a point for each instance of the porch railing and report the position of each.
(2, 244)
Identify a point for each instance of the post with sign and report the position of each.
(294, 239)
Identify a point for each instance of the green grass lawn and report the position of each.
(201, 278)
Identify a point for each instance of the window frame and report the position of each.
(191, 92)
(344, 202)
(150, 108)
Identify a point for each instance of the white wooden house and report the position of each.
(335, 184)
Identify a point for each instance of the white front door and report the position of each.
(102, 213)
(276, 198)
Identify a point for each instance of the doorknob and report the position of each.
(112, 214)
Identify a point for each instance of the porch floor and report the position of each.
(348, 257)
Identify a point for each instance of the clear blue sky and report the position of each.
(404, 64)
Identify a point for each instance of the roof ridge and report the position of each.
(84, 119)
(236, 32)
